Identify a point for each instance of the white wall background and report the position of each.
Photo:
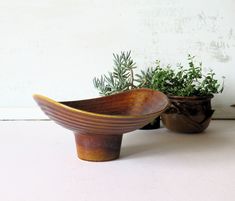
(56, 47)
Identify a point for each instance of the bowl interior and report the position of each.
(134, 102)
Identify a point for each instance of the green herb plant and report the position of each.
(122, 77)
(180, 81)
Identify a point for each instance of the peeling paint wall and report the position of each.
(57, 47)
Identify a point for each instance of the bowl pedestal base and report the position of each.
(96, 147)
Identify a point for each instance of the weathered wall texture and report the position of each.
(57, 47)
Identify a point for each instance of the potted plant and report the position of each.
(122, 78)
(189, 91)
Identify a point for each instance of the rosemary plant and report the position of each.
(122, 77)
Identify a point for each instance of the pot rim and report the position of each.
(190, 97)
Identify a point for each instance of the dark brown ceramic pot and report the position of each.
(188, 114)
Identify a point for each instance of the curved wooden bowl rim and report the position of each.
(41, 97)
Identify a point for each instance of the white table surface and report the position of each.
(38, 162)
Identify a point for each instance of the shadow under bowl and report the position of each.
(99, 123)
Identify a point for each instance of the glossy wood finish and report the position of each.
(98, 148)
(109, 115)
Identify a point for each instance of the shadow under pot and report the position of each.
(190, 114)
(155, 124)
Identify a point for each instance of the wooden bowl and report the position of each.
(99, 123)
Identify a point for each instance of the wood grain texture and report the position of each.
(104, 116)
(115, 114)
